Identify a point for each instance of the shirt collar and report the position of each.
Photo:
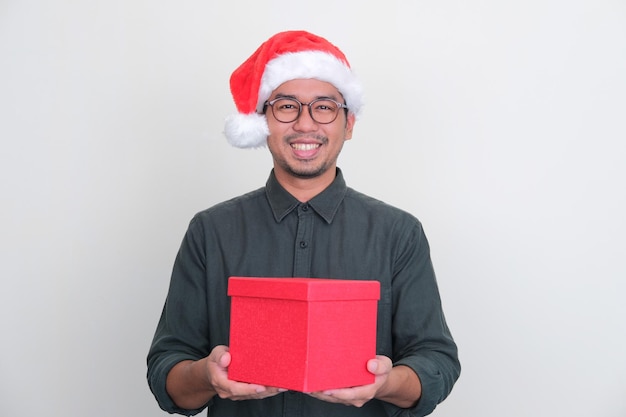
(325, 203)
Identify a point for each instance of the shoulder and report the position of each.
(386, 221)
(359, 201)
(229, 209)
(381, 216)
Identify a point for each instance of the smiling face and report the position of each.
(305, 149)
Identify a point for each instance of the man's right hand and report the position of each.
(191, 384)
(217, 370)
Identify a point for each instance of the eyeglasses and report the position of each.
(322, 110)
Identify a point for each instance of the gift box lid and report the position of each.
(305, 289)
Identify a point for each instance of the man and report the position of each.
(297, 95)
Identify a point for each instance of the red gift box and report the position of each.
(302, 334)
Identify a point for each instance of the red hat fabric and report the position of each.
(285, 56)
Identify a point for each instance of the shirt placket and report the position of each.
(292, 401)
(302, 250)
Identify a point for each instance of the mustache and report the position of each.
(321, 138)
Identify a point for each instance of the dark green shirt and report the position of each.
(339, 234)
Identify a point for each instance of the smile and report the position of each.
(305, 146)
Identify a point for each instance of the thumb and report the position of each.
(372, 365)
(379, 365)
(224, 360)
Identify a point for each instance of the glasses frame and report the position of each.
(270, 103)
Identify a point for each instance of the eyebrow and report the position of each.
(279, 95)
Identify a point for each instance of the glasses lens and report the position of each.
(324, 111)
(286, 110)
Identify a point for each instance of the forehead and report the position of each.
(306, 89)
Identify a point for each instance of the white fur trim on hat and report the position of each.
(319, 65)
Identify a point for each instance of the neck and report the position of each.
(304, 189)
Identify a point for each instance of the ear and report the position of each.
(350, 121)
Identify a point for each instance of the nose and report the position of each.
(305, 122)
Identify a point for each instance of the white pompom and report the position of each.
(246, 130)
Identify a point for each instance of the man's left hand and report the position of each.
(381, 366)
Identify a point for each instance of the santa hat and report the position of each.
(285, 56)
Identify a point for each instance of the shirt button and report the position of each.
(305, 207)
(303, 244)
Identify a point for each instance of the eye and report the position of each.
(286, 105)
(325, 106)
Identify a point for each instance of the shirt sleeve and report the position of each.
(181, 331)
(421, 337)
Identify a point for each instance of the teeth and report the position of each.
(304, 146)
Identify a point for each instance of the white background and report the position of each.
(500, 124)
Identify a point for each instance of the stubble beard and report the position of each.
(304, 170)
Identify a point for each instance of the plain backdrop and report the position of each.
(500, 124)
